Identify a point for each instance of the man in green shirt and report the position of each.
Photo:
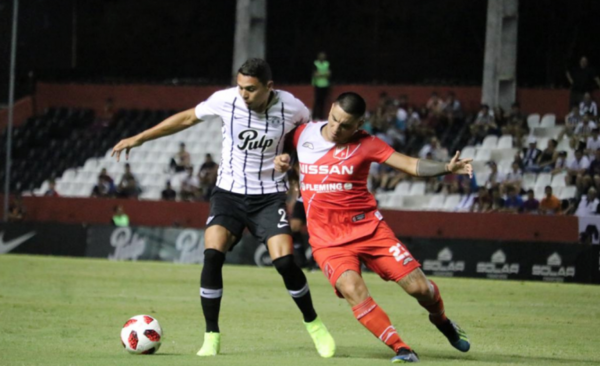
(320, 80)
(120, 218)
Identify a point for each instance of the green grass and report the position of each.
(59, 311)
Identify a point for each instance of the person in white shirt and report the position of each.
(587, 105)
(438, 153)
(588, 204)
(496, 178)
(249, 193)
(585, 127)
(514, 178)
(593, 144)
(577, 167)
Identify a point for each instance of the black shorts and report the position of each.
(264, 215)
(298, 212)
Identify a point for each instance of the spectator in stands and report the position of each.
(51, 192)
(496, 178)
(190, 186)
(548, 157)
(483, 201)
(583, 79)
(104, 188)
(207, 175)
(438, 153)
(531, 155)
(516, 124)
(402, 112)
(104, 175)
(560, 166)
(531, 205)
(181, 160)
(588, 205)
(120, 218)
(435, 105)
(513, 202)
(571, 121)
(466, 199)
(16, 209)
(497, 201)
(514, 178)
(577, 168)
(550, 204)
(594, 169)
(584, 130)
(587, 105)
(483, 125)
(168, 194)
(128, 186)
(593, 143)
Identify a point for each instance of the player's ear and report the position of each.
(270, 84)
(361, 122)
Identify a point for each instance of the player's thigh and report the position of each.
(267, 218)
(219, 238)
(385, 255)
(352, 287)
(334, 261)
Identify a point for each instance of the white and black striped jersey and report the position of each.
(252, 140)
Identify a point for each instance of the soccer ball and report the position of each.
(141, 335)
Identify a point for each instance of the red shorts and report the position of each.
(381, 252)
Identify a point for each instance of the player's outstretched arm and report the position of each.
(282, 163)
(429, 168)
(169, 126)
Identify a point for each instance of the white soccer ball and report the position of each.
(141, 335)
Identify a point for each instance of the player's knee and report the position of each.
(285, 264)
(352, 286)
(213, 257)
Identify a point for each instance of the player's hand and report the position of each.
(460, 166)
(282, 163)
(127, 145)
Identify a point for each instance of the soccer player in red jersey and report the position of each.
(345, 226)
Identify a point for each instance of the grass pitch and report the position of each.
(62, 311)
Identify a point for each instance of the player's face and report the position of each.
(254, 93)
(340, 126)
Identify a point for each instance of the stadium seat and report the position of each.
(382, 199)
(415, 203)
(568, 192)
(483, 155)
(563, 144)
(533, 121)
(480, 167)
(505, 142)
(436, 202)
(417, 188)
(482, 177)
(551, 132)
(505, 166)
(539, 192)
(504, 154)
(402, 189)
(528, 181)
(490, 142)
(396, 202)
(549, 120)
(451, 202)
(69, 175)
(558, 180)
(543, 180)
(468, 152)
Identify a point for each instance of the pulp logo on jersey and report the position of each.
(250, 141)
(553, 270)
(326, 169)
(497, 267)
(444, 265)
(326, 187)
(7, 246)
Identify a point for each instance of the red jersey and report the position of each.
(333, 183)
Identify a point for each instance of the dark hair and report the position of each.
(580, 151)
(545, 188)
(352, 104)
(258, 68)
(530, 191)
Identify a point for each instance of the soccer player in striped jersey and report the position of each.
(346, 228)
(250, 193)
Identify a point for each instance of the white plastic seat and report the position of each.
(558, 180)
(543, 180)
(451, 202)
(416, 203)
(395, 202)
(528, 181)
(568, 192)
(539, 192)
(382, 199)
(468, 152)
(402, 189)
(505, 142)
(490, 142)
(483, 155)
(417, 188)
(481, 178)
(436, 202)
(69, 175)
(533, 120)
(549, 120)
(504, 154)
(505, 166)
(480, 167)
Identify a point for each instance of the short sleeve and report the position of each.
(209, 109)
(377, 150)
(302, 116)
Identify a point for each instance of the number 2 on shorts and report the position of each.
(283, 222)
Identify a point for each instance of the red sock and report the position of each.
(369, 314)
(437, 315)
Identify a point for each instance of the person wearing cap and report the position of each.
(530, 156)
